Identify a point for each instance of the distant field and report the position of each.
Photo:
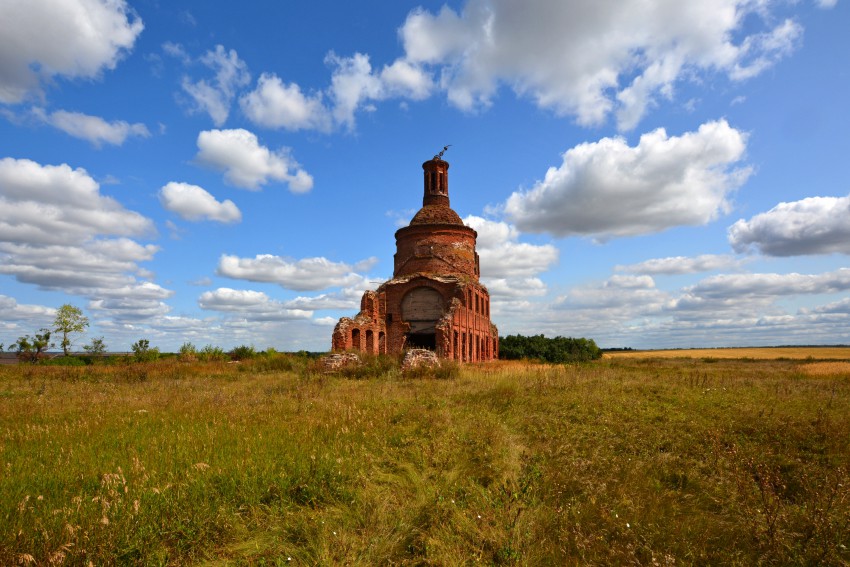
(765, 353)
(622, 461)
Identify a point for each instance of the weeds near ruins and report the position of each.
(618, 461)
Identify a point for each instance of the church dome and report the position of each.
(436, 214)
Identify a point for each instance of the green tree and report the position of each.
(144, 352)
(29, 349)
(69, 319)
(96, 347)
(557, 350)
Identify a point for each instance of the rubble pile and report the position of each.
(336, 361)
(416, 357)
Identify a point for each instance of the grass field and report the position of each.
(656, 461)
(761, 353)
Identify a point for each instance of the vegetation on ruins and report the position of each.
(617, 461)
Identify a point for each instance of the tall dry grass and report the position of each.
(624, 461)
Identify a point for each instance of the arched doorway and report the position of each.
(422, 307)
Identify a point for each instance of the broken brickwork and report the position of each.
(434, 300)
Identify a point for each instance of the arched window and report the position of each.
(463, 346)
(455, 352)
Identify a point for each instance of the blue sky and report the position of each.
(649, 174)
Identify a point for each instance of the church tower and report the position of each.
(435, 299)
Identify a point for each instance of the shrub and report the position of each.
(188, 352)
(31, 349)
(143, 352)
(212, 353)
(371, 366)
(243, 352)
(96, 348)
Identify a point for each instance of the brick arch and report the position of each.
(421, 308)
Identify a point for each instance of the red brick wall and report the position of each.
(439, 250)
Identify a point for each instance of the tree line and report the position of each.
(555, 350)
(70, 321)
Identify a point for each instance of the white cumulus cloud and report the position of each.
(54, 204)
(275, 105)
(509, 267)
(501, 253)
(405, 79)
(681, 265)
(607, 189)
(771, 285)
(18, 318)
(617, 292)
(251, 305)
(41, 39)
(248, 164)
(352, 85)
(94, 129)
(215, 96)
(589, 59)
(195, 203)
(355, 86)
(516, 287)
(58, 232)
(300, 275)
(815, 225)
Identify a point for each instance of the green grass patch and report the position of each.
(270, 462)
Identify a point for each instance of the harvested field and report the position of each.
(761, 353)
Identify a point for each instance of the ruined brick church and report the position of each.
(434, 300)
